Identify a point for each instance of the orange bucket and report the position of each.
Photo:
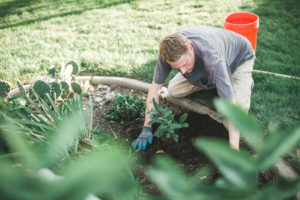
(245, 24)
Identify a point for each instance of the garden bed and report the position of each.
(183, 151)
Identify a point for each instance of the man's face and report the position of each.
(185, 63)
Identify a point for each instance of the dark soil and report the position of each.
(183, 151)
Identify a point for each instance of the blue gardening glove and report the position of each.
(144, 138)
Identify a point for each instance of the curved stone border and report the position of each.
(283, 168)
(142, 86)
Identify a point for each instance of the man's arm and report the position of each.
(152, 93)
(224, 86)
(146, 135)
(234, 135)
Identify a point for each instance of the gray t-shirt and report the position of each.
(218, 53)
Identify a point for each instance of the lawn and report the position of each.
(120, 38)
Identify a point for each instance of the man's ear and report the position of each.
(191, 47)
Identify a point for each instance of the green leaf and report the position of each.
(185, 125)
(276, 147)
(65, 138)
(281, 189)
(183, 118)
(16, 141)
(103, 173)
(246, 124)
(38, 108)
(236, 166)
(54, 107)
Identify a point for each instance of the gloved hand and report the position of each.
(144, 138)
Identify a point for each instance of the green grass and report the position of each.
(106, 37)
(120, 38)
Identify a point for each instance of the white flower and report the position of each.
(163, 92)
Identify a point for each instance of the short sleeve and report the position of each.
(162, 70)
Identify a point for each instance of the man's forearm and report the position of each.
(152, 93)
(234, 135)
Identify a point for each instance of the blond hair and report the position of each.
(173, 46)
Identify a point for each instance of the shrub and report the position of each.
(126, 107)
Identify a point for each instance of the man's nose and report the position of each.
(183, 70)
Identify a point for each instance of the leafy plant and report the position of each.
(168, 126)
(44, 116)
(105, 173)
(239, 170)
(126, 107)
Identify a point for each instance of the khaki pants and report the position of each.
(242, 85)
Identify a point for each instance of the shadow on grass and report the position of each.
(19, 6)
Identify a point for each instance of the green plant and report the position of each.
(21, 88)
(76, 87)
(55, 89)
(75, 67)
(64, 85)
(4, 89)
(41, 88)
(126, 107)
(65, 89)
(44, 115)
(52, 71)
(105, 173)
(239, 170)
(168, 126)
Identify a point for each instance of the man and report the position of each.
(206, 58)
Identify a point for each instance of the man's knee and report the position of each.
(175, 92)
